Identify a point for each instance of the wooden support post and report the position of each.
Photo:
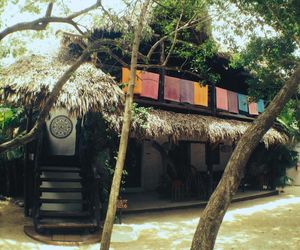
(26, 174)
(25, 184)
(78, 133)
(210, 169)
(162, 73)
(213, 99)
(209, 147)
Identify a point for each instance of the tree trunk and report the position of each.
(211, 218)
(18, 141)
(115, 188)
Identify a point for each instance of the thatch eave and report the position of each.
(193, 127)
(29, 82)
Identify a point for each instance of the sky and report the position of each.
(50, 44)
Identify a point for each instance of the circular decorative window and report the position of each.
(61, 126)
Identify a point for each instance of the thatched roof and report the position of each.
(30, 80)
(178, 126)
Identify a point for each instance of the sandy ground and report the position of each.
(262, 224)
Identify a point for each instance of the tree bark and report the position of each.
(18, 141)
(115, 188)
(211, 218)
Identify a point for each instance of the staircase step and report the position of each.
(61, 160)
(60, 190)
(51, 224)
(63, 201)
(52, 179)
(60, 169)
(63, 214)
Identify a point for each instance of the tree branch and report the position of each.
(88, 9)
(174, 41)
(113, 55)
(49, 10)
(187, 25)
(177, 69)
(42, 23)
(111, 17)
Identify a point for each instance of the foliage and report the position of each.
(14, 45)
(140, 114)
(280, 159)
(198, 58)
(290, 120)
(100, 146)
(271, 61)
(194, 47)
(97, 136)
(3, 5)
(12, 123)
(282, 15)
(271, 164)
(167, 13)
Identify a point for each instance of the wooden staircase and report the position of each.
(66, 196)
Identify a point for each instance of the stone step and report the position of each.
(62, 201)
(63, 214)
(64, 224)
(54, 179)
(60, 190)
(60, 169)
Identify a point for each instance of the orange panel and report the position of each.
(138, 82)
(200, 94)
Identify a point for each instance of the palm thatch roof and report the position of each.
(29, 81)
(178, 126)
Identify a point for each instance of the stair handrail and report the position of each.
(95, 196)
(90, 183)
(37, 181)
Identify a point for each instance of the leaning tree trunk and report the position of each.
(211, 218)
(28, 137)
(114, 192)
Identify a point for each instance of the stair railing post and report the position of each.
(96, 200)
(37, 180)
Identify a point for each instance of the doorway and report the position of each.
(132, 165)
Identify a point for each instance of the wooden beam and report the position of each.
(162, 75)
(213, 99)
(210, 169)
(227, 115)
(184, 108)
(188, 108)
(26, 166)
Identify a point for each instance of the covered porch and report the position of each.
(176, 160)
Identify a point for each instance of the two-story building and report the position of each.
(178, 146)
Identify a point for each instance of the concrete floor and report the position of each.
(152, 201)
(268, 223)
